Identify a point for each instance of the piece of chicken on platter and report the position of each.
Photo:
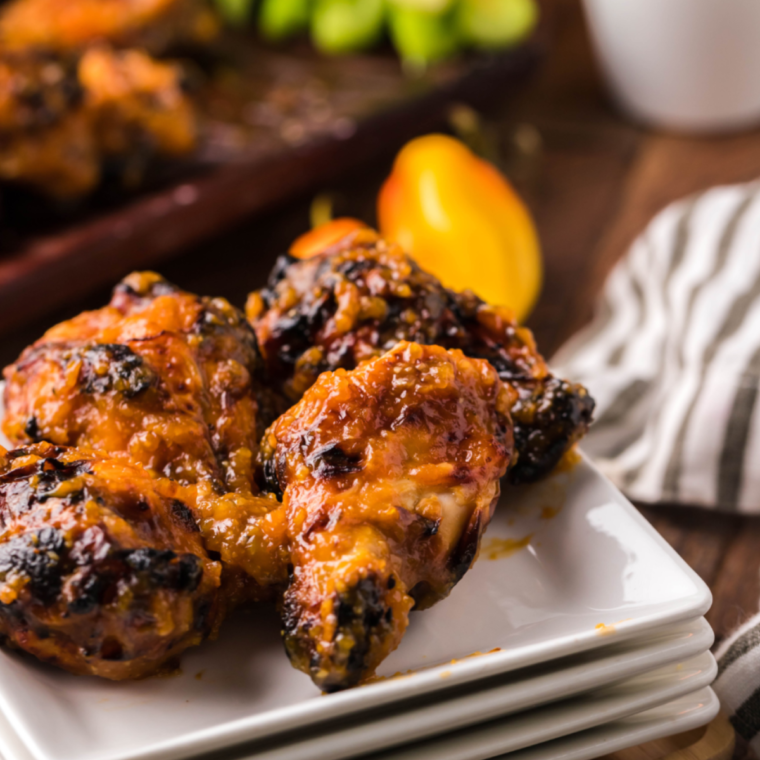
(67, 119)
(360, 297)
(364, 500)
(71, 25)
(102, 568)
(168, 378)
(169, 381)
(377, 486)
(389, 475)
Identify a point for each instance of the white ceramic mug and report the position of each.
(691, 65)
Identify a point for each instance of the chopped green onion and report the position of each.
(234, 12)
(496, 23)
(431, 6)
(422, 38)
(280, 19)
(346, 26)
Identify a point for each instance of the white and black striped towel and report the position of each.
(673, 360)
(673, 357)
(738, 683)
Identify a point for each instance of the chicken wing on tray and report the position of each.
(365, 499)
(389, 475)
(70, 25)
(360, 297)
(102, 570)
(65, 119)
(171, 382)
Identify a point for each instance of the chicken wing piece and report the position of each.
(389, 475)
(64, 119)
(360, 297)
(136, 103)
(170, 381)
(163, 376)
(45, 137)
(36, 90)
(102, 569)
(71, 25)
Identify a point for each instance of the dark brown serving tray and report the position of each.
(277, 123)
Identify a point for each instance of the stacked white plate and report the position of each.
(579, 631)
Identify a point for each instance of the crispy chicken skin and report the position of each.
(163, 376)
(136, 103)
(102, 568)
(365, 499)
(170, 381)
(64, 119)
(389, 475)
(70, 25)
(359, 298)
(45, 138)
(36, 90)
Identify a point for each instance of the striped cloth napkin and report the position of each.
(673, 361)
(673, 357)
(738, 683)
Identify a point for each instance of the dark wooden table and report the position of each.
(601, 181)
(593, 180)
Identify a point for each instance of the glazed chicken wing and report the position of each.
(45, 139)
(361, 297)
(65, 118)
(389, 475)
(102, 569)
(70, 25)
(170, 381)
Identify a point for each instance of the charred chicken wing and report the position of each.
(389, 474)
(70, 25)
(65, 118)
(361, 297)
(170, 381)
(102, 569)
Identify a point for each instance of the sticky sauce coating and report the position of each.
(162, 376)
(389, 475)
(65, 26)
(67, 119)
(359, 298)
(169, 381)
(102, 569)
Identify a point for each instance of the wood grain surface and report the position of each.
(602, 180)
(714, 742)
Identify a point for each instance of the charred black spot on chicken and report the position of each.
(362, 616)
(333, 462)
(97, 573)
(115, 367)
(37, 558)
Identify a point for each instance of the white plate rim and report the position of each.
(510, 700)
(690, 710)
(554, 721)
(684, 714)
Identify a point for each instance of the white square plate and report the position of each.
(592, 571)
(500, 696)
(570, 716)
(611, 715)
(684, 714)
